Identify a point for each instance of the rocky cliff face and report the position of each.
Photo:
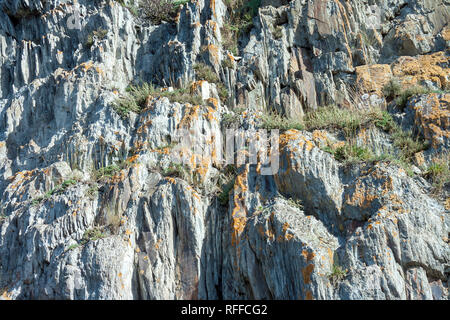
(93, 207)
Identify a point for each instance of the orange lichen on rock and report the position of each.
(413, 70)
(239, 214)
(214, 102)
(213, 25)
(372, 78)
(213, 7)
(308, 255)
(362, 196)
(433, 116)
(210, 114)
(213, 50)
(446, 33)
(287, 136)
(20, 177)
(190, 114)
(307, 271)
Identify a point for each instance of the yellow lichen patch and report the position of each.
(288, 136)
(308, 255)
(330, 255)
(158, 244)
(309, 145)
(320, 136)
(213, 7)
(214, 102)
(132, 159)
(446, 33)
(210, 114)
(87, 65)
(20, 177)
(447, 204)
(213, 25)
(307, 271)
(6, 296)
(171, 180)
(419, 158)
(197, 85)
(239, 214)
(190, 115)
(230, 56)
(372, 78)
(362, 196)
(99, 71)
(413, 70)
(433, 116)
(213, 50)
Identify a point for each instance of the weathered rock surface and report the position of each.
(141, 233)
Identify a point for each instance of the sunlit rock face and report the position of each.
(96, 204)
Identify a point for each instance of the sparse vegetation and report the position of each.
(439, 172)
(348, 120)
(296, 203)
(106, 173)
(158, 11)
(229, 119)
(205, 72)
(132, 6)
(136, 98)
(93, 234)
(227, 63)
(393, 90)
(277, 32)
(337, 274)
(226, 183)
(407, 144)
(98, 34)
(56, 190)
(274, 120)
(241, 14)
(176, 170)
(72, 247)
(92, 192)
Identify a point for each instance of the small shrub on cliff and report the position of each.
(350, 153)
(241, 14)
(393, 90)
(337, 274)
(99, 34)
(105, 173)
(158, 11)
(92, 235)
(176, 170)
(56, 190)
(134, 100)
(136, 97)
(205, 72)
(226, 183)
(439, 172)
(407, 144)
(273, 120)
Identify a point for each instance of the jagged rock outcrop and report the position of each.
(150, 229)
